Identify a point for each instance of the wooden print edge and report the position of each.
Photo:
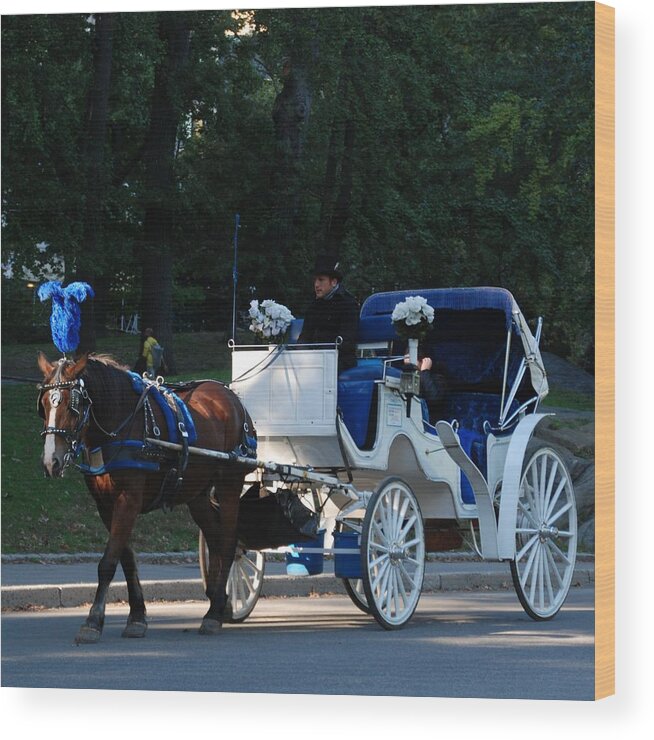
(604, 351)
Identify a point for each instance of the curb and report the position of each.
(22, 598)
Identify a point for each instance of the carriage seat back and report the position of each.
(356, 394)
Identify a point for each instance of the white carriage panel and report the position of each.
(497, 447)
(316, 452)
(292, 395)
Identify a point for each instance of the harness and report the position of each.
(134, 454)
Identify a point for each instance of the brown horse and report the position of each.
(90, 409)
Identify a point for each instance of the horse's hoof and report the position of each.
(135, 629)
(210, 627)
(87, 635)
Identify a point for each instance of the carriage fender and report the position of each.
(513, 465)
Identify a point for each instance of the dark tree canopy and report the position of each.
(425, 145)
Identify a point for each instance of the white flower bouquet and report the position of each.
(413, 317)
(269, 321)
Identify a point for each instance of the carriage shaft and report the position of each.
(286, 471)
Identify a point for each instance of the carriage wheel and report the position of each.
(546, 535)
(393, 553)
(354, 589)
(244, 582)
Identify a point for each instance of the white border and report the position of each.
(73, 714)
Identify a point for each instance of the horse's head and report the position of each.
(64, 406)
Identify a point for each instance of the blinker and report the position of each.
(75, 400)
(39, 405)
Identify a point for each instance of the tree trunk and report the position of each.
(290, 116)
(159, 156)
(341, 212)
(89, 267)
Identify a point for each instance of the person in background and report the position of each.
(333, 313)
(148, 345)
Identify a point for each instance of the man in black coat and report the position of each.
(333, 313)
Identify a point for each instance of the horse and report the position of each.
(90, 409)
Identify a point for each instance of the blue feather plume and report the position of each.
(66, 316)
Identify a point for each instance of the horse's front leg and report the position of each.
(137, 624)
(126, 508)
(220, 534)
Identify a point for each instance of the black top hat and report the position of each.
(328, 264)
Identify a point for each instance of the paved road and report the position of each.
(475, 644)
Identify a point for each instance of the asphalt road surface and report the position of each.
(475, 644)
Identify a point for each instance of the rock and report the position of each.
(584, 486)
(574, 433)
(586, 536)
(563, 374)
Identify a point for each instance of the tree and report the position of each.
(160, 193)
(97, 178)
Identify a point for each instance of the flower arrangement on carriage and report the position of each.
(269, 321)
(413, 318)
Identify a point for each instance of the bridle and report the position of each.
(80, 405)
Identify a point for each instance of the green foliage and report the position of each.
(445, 145)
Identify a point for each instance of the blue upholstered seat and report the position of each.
(355, 396)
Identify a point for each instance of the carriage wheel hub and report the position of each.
(547, 533)
(396, 553)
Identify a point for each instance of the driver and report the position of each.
(333, 313)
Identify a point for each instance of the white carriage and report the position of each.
(359, 450)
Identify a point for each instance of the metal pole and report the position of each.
(235, 274)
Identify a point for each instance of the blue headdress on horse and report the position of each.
(66, 316)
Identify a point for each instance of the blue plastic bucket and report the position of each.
(347, 564)
(306, 563)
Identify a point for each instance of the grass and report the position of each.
(205, 350)
(568, 399)
(48, 516)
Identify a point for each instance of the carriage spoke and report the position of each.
(407, 526)
(398, 530)
(526, 548)
(555, 498)
(380, 533)
(550, 485)
(559, 513)
(380, 572)
(553, 566)
(542, 485)
(533, 493)
(400, 581)
(378, 561)
(385, 526)
(527, 513)
(395, 514)
(412, 543)
(408, 575)
(528, 566)
(535, 580)
(546, 578)
(560, 552)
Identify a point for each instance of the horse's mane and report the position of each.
(108, 361)
(106, 374)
